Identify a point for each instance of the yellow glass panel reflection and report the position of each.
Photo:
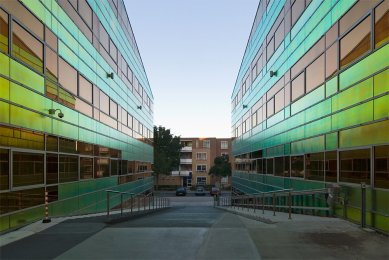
(4, 88)
(381, 107)
(381, 82)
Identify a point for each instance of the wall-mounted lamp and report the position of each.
(110, 75)
(139, 107)
(52, 112)
(244, 106)
(273, 73)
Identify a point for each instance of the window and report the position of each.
(51, 59)
(223, 144)
(104, 103)
(85, 12)
(279, 166)
(67, 76)
(28, 169)
(297, 10)
(332, 34)
(314, 166)
(84, 148)
(115, 167)
(206, 144)
(51, 168)
(113, 52)
(355, 166)
(27, 48)
(4, 169)
(201, 168)
(104, 38)
(113, 109)
(101, 167)
(270, 166)
(381, 29)
(270, 107)
(298, 87)
(86, 168)
(381, 167)
(330, 166)
(315, 74)
(67, 145)
(51, 39)
(332, 60)
(68, 168)
(279, 101)
(201, 181)
(201, 156)
(297, 166)
(356, 43)
(3, 31)
(85, 89)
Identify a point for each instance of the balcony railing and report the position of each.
(186, 149)
(186, 161)
(181, 173)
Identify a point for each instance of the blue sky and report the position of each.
(192, 50)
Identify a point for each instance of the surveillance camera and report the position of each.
(60, 115)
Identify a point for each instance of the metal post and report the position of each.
(121, 203)
(107, 204)
(363, 206)
(274, 204)
(46, 219)
(290, 204)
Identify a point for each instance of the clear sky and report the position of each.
(192, 50)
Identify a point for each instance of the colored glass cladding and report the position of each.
(311, 109)
(71, 85)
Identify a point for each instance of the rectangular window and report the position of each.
(28, 169)
(85, 12)
(298, 86)
(201, 168)
(206, 143)
(314, 166)
(381, 167)
(101, 167)
(201, 181)
(86, 168)
(315, 74)
(297, 10)
(223, 144)
(51, 59)
(85, 89)
(4, 169)
(297, 166)
(355, 43)
(279, 101)
(104, 103)
(68, 168)
(332, 60)
(113, 51)
(3, 31)
(27, 48)
(279, 166)
(381, 28)
(270, 107)
(104, 38)
(51, 168)
(201, 156)
(355, 166)
(84, 148)
(113, 109)
(67, 76)
(270, 166)
(330, 166)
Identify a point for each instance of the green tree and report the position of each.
(221, 167)
(166, 151)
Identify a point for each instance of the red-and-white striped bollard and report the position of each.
(46, 219)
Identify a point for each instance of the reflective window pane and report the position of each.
(27, 48)
(331, 60)
(101, 167)
(51, 168)
(85, 12)
(3, 31)
(51, 59)
(355, 166)
(114, 167)
(86, 168)
(84, 148)
(67, 146)
(297, 166)
(4, 169)
(332, 34)
(315, 74)
(314, 166)
(28, 169)
(67, 76)
(381, 28)
(330, 165)
(381, 167)
(298, 87)
(68, 168)
(270, 107)
(51, 143)
(85, 89)
(113, 110)
(16, 137)
(355, 43)
(51, 39)
(104, 103)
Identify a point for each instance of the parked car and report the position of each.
(200, 191)
(215, 191)
(181, 191)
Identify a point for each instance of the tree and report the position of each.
(166, 151)
(222, 167)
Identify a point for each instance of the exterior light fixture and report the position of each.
(273, 73)
(52, 112)
(110, 75)
(244, 106)
(139, 107)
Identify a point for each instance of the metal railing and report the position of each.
(280, 200)
(132, 202)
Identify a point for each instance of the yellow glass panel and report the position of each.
(4, 88)
(4, 115)
(381, 82)
(35, 101)
(376, 133)
(381, 107)
(353, 95)
(26, 76)
(29, 119)
(4, 61)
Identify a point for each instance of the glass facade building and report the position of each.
(76, 108)
(310, 103)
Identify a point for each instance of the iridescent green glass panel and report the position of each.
(26, 76)
(381, 107)
(353, 116)
(332, 86)
(332, 141)
(4, 88)
(353, 95)
(381, 82)
(4, 61)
